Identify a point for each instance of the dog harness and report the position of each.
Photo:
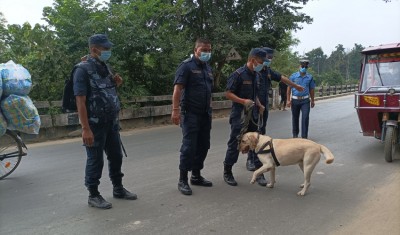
(270, 150)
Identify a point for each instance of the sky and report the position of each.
(346, 22)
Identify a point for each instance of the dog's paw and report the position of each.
(270, 185)
(301, 193)
(252, 181)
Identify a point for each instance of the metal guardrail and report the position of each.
(155, 106)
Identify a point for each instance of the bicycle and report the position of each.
(11, 152)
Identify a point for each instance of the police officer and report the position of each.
(191, 108)
(267, 76)
(301, 101)
(282, 88)
(242, 89)
(98, 108)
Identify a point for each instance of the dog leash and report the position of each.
(245, 120)
(270, 150)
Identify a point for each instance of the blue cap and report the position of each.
(269, 51)
(101, 40)
(258, 52)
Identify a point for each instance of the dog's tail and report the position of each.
(327, 154)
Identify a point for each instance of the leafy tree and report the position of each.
(4, 48)
(317, 59)
(37, 50)
(242, 24)
(151, 38)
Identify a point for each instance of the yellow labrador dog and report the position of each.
(275, 152)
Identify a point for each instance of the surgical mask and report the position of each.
(205, 56)
(267, 63)
(258, 67)
(303, 70)
(105, 55)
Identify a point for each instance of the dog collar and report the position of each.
(270, 150)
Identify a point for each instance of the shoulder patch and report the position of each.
(239, 71)
(187, 60)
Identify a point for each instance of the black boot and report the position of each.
(250, 164)
(228, 176)
(121, 192)
(96, 200)
(183, 185)
(261, 180)
(99, 202)
(197, 179)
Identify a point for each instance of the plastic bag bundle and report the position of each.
(16, 79)
(3, 124)
(21, 114)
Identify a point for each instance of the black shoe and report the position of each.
(99, 202)
(121, 192)
(250, 165)
(295, 136)
(200, 181)
(184, 187)
(261, 180)
(229, 179)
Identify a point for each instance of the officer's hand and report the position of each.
(288, 103)
(117, 79)
(261, 109)
(312, 104)
(299, 88)
(176, 116)
(248, 103)
(87, 137)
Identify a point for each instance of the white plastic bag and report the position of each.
(21, 114)
(15, 78)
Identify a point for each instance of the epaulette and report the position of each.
(240, 70)
(187, 60)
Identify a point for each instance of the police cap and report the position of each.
(269, 51)
(258, 52)
(101, 40)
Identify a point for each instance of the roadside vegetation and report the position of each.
(152, 37)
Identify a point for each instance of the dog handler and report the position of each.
(267, 76)
(191, 108)
(242, 89)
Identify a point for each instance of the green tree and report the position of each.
(317, 60)
(151, 38)
(242, 24)
(37, 50)
(4, 37)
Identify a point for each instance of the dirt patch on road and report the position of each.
(379, 213)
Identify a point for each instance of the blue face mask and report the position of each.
(267, 63)
(303, 70)
(204, 56)
(258, 67)
(105, 55)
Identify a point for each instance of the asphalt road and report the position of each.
(357, 194)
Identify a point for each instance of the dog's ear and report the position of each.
(253, 141)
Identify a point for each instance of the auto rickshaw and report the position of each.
(377, 100)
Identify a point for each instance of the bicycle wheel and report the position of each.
(10, 153)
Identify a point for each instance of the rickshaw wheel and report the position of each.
(390, 143)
